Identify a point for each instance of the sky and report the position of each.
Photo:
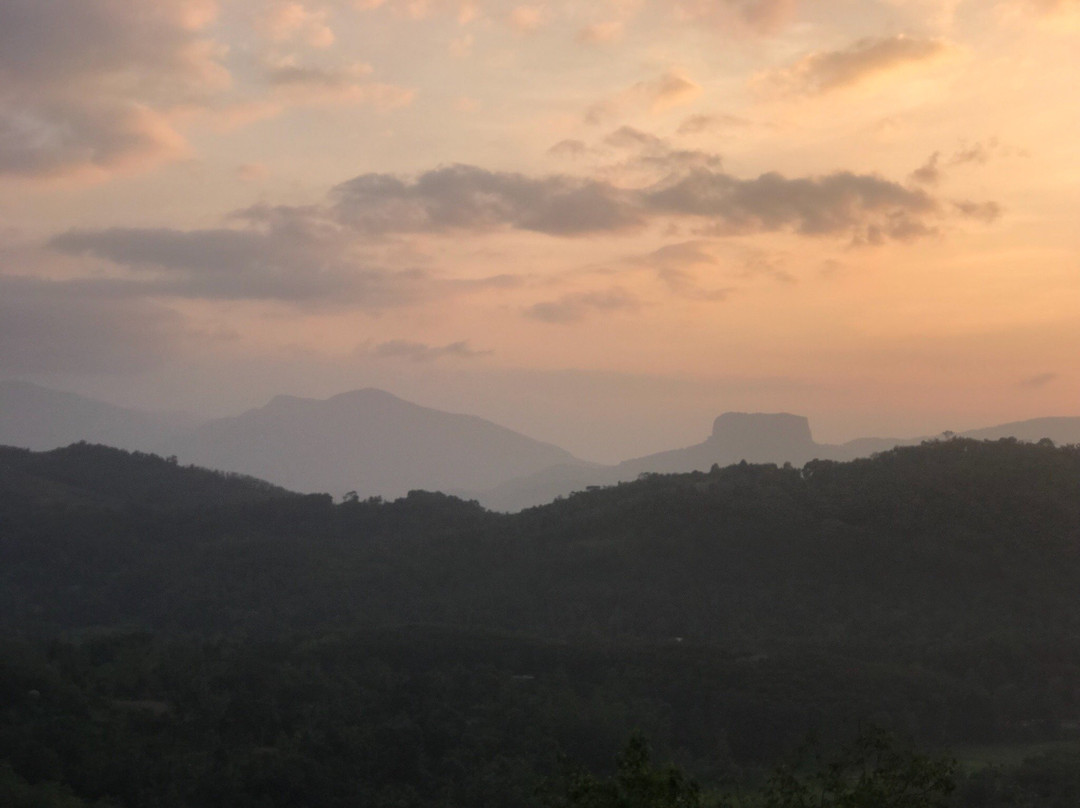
(601, 224)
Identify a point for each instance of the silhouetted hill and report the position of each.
(935, 585)
(1061, 430)
(754, 437)
(96, 477)
(979, 538)
(736, 436)
(379, 445)
(36, 417)
(369, 441)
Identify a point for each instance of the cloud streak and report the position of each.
(825, 71)
(697, 124)
(670, 89)
(474, 199)
(574, 308)
(421, 352)
(321, 254)
(463, 197)
(1038, 381)
(307, 85)
(933, 170)
(839, 203)
(678, 266)
(288, 262)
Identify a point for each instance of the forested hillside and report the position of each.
(231, 643)
(960, 540)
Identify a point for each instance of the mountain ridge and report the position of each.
(40, 418)
(367, 440)
(755, 438)
(373, 442)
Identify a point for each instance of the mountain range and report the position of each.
(754, 437)
(35, 417)
(376, 444)
(367, 441)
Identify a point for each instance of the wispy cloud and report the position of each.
(322, 254)
(1038, 381)
(696, 124)
(672, 88)
(653, 158)
(297, 264)
(573, 308)
(422, 352)
(988, 212)
(868, 206)
(306, 85)
(319, 254)
(470, 198)
(825, 71)
(681, 267)
(933, 170)
(569, 149)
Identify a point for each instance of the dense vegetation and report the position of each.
(179, 637)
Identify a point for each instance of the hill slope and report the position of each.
(102, 477)
(752, 437)
(369, 441)
(36, 417)
(349, 650)
(958, 536)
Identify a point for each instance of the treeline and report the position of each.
(173, 636)
(950, 543)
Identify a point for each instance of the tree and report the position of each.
(874, 772)
(637, 784)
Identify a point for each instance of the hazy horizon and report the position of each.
(600, 225)
(682, 434)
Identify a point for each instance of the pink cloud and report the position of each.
(91, 86)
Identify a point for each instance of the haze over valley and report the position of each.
(375, 444)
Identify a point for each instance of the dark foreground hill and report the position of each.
(87, 477)
(179, 637)
(950, 539)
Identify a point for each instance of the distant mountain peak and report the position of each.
(365, 393)
(784, 425)
(761, 437)
(370, 441)
(362, 397)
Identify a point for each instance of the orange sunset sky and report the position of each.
(599, 223)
